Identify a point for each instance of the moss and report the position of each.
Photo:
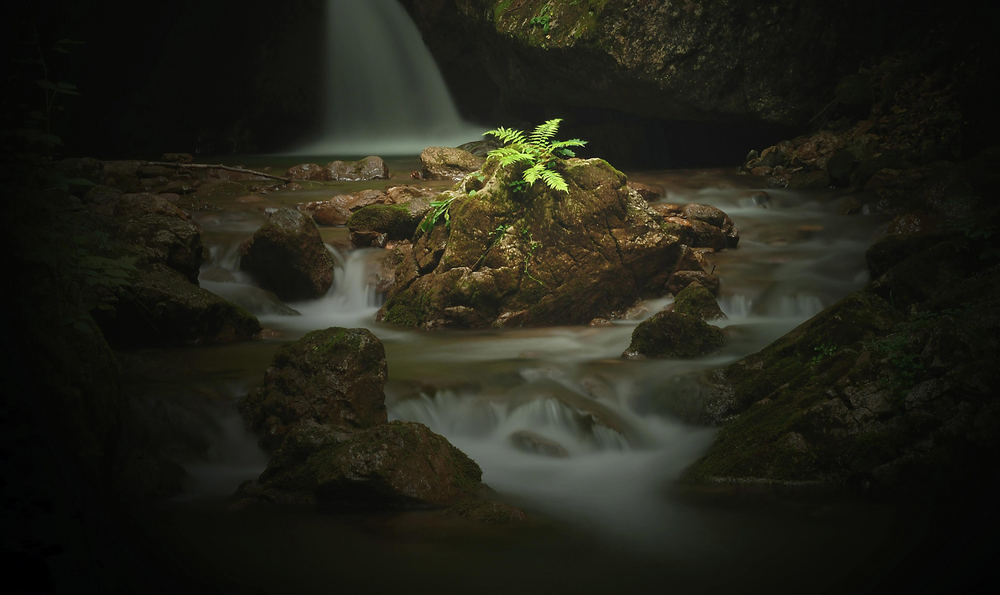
(672, 334)
(407, 308)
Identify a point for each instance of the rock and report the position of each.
(156, 230)
(697, 301)
(674, 335)
(368, 196)
(540, 257)
(716, 218)
(394, 465)
(287, 256)
(123, 175)
(681, 279)
(309, 171)
(480, 148)
(160, 306)
(448, 163)
(366, 168)
(531, 442)
(647, 192)
(329, 212)
(394, 221)
(332, 377)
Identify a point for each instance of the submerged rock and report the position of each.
(287, 256)
(309, 171)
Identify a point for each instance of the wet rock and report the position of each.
(480, 148)
(647, 192)
(540, 257)
(366, 168)
(287, 256)
(716, 218)
(332, 377)
(309, 171)
(329, 212)
(531, 442)
(695, 300)
(159, 306)
(681, 279)
(154, 229)
(674, 335)
(448, 163)
(395, 222)
(395, 465)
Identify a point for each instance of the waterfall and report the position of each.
(384, 93)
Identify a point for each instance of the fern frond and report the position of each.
(544, 131)
(554, 180)
(507, 136)
(573, 142)
(509, 155)
(533, 173)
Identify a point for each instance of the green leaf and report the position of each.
(554, 180)
(544, 131)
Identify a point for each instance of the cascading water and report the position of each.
(384, 92)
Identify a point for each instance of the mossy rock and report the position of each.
(537, 256)
(333, 376)
(697, 301)
(674, 335)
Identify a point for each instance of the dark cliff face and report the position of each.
(713, 77)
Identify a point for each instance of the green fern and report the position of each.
(538, 151)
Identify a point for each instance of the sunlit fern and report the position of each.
(537, 150)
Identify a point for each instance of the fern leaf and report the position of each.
(554, 180)
(544, 131)
(573, 142)
(533, 173)
(507, 136)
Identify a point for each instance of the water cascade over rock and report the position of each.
(384, 93)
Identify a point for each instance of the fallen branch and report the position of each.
(241, 170)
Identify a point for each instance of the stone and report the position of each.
(448, 163)
(160, 306)
(332, 377)
(334, 211)
(674, 335)
(366, 168)
(648, 192)
(309, 171)
(695, 300)
(287, 256)
(394, 221)
(396, 465)
(156, 230)
(552, 258)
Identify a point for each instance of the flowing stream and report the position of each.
(560, 425)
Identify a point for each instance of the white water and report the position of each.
(384, 92)
(567, 385)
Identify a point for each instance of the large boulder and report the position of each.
(287, 256)
(155, 230)
(388, 466)
(536, 256)
(448, 163)
(159, 306)
(321, 413)
(885, 390)
(332, 377)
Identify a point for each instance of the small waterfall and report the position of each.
(384, 93)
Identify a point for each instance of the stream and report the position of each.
(561, 426)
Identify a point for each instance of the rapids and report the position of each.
(560, 425)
